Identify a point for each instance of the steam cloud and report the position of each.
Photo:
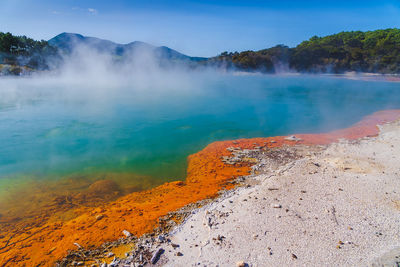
(92, 77)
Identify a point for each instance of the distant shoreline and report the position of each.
(365, 76)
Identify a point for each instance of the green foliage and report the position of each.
(24, 51)
(372, 51)
(263, 60)
(21, 45)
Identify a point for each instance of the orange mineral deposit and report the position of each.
(45, 243)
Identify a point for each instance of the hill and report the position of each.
(20, 54)
(67, 41)
(372, 51)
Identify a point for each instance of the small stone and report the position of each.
(293, 138)
(178, 254)
(174, 245)
(273, 189)
(76, 244)
(126, 233)
(220, 237)
(103, 264)
(110, 254)
(99, 217)
(156, 255)
(240, 264)
(276, 206)
(294, 256)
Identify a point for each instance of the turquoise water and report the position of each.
(51, 129)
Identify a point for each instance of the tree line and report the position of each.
(371, 51)
(21, 51)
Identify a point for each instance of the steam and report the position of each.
(127, 104)
(99, 78)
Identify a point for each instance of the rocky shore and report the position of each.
(337, 204)
(302, 205)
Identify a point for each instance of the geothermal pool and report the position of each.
(59, 135)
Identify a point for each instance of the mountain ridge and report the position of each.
(67, 41)
(376, 51)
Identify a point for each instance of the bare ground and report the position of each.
(337, 205)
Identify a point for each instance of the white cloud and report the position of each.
(92, 11)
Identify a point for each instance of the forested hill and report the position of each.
(19, 54)
(371, 51)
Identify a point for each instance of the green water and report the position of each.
(51, 129)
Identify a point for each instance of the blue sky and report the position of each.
(198, 28)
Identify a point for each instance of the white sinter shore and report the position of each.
(332, 206)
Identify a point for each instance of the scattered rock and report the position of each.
(161, 238)
(220, 237)
(273, 189)
(76, 244)
(114, 262)
(156, 255)
(178, 254)
(241, 264)
(126, 233)
(294, 256)
(99, 217)
(174, 245)
(293, 138)
(110, 254)
(276, 206)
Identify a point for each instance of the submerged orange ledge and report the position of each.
(139, 212)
